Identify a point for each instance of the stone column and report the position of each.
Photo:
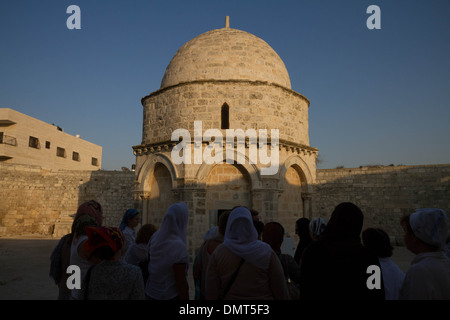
(307, 205)
(195, 199)
(141, 204)
(265, 201)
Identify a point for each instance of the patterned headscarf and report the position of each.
(104, 237)
(129, 214)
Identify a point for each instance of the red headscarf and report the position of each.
(103, 237)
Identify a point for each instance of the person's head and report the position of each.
(175, 221)
(255, 214)
(259, 225)
(378, 241)
(240, 226)
(131, 219)
(145, 233)
(79, 224)
(91, 208)
(105, 243)
(345, 223)
(316, 227)
(302, 228)
(273, 234)
(425, 230)
(223, 219)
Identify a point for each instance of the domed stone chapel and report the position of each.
(225, 79)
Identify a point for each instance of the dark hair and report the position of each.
(104, 253)
(254, 212)
(377, 240)
(223, 219)
(278, 224)
(404, 222)
(259, 226)
(80, 223)
(145, 233)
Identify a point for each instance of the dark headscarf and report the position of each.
(129, 214)
(345, 224)
(302, 226)
(335, 266)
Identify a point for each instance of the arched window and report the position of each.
(225, 116)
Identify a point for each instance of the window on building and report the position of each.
(4, 139)
(225, 116)
(94, 162)
(61, 152)
(34, 143)
(47, 144)
(75, 156)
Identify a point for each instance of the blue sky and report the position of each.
(378, 97)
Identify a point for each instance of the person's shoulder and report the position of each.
(221, 253)
(288, 258)
(220, 249)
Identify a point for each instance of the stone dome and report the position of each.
(226, 54)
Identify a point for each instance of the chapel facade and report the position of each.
(225, 80)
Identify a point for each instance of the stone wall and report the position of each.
(252, 105)
(384, 194)
(38, 201)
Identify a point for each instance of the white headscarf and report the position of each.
(317, 226)
(241, 238)
(168, 244)
(167, 247)
(430, 226)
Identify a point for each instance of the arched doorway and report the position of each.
(227, 185)
(161, 194)
(290, 202)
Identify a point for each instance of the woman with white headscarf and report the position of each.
(260, 276)
(317, 227)
(428, 277)
(169, 259)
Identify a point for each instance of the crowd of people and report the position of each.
(241, 258)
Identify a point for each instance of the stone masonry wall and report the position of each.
(253, 105)
(384, 194)
(38, 201)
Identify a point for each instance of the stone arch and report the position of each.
(148, 167)
(294, 200)
(161, 195)
(156, 180)
(251, 169)
(303, 170)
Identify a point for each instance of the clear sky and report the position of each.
(378, 97)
